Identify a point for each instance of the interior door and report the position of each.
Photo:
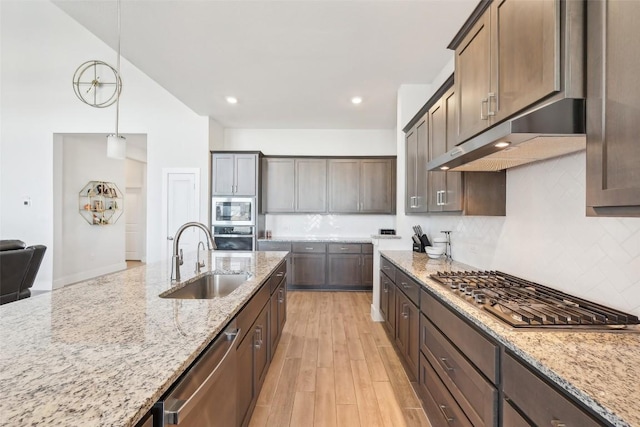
(133, 225)
(182, 206)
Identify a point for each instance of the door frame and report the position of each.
(165, 187)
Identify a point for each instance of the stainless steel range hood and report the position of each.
(552, 130)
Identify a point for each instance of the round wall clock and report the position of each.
(97, 84)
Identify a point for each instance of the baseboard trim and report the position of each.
(376, 314)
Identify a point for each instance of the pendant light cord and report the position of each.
(118, 70)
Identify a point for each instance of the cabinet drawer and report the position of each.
(388, 268)
(511, 417)
(475, 395)
(409, 286)
(478, 349)
(274, 246)
(439, 404)
(344, 248)
(540, 402)
(251, 311)
(367, 248)
(302, 247)
(278, 275)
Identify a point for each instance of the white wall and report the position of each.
(313, 142)
(41, 47)
(87, 250)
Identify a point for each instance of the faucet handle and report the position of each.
(180, 258)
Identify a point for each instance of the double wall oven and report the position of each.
(233, 222)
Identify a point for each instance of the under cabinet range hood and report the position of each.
(549, 131)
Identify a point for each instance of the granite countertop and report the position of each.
(600, 369)
(102, 352)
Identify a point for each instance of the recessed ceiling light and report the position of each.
(444, 168)
(502, 144)
(232, 99)
(356, 100)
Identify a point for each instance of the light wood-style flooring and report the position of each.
(334, 366)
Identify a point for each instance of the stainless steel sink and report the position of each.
(209, 286)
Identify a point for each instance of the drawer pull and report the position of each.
(445, 364)
(386, 288)
(308, 249)
(385, 267)
(557, 423)
(405, 314)
(446, 416)
(344, 249)
(405, 285)
(258, 338)
(281, 299)
(280, 274)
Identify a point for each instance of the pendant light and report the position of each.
(116, 143)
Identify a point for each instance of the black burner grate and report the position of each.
(523, 304)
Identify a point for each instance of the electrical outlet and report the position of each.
(26, 201)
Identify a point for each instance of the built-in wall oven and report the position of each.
(233, 223)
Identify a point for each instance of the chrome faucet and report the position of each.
(199, 264)
(177, 259)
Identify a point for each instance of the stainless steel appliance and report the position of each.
(233, 211)
(206, 393)
(525, 304)
(234, 238)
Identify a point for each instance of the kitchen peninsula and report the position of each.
(103, 351)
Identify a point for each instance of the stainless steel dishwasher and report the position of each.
(206, 394)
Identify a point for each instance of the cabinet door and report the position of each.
(473, 77)
(311, 185)
(345, 270)
(613, 149)
(308, 269)
(261, 349)
(282, 306)
(367, 270)
(344, 185)
(525, 54)
(274, 330)
(401, 329)
(278, 185)
(454, 196)
(376, 186)
(244, 355)
(411, 145)
(412, 351)
(422, 157)
(222, 165)
(390, 322)
(385, 283)
(437, 147)
(246, 166)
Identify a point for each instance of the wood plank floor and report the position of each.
(335, 367)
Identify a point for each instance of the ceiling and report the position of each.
(291, 64)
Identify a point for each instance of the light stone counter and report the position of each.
(600, 369)
(101, 352)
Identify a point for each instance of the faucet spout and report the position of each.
(177, 259)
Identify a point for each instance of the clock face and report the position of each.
(97, 83)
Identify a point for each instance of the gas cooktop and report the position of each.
(525, 304)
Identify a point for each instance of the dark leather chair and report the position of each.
(19, 266)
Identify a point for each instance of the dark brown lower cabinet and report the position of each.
(278, 315)
(537, 400)
(367, 271)
(260, 322)
(511, 417)
(345, 270)
(308, 270)
(441, 407)
(406, 332)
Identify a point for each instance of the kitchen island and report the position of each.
(598, 369)
(102, 352)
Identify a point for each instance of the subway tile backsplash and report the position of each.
(546, 236)
(300, 225)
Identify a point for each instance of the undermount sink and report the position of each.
(209, 286)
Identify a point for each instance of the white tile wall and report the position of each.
(547, 238)
(328, 225)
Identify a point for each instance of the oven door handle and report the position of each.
(233, 235)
